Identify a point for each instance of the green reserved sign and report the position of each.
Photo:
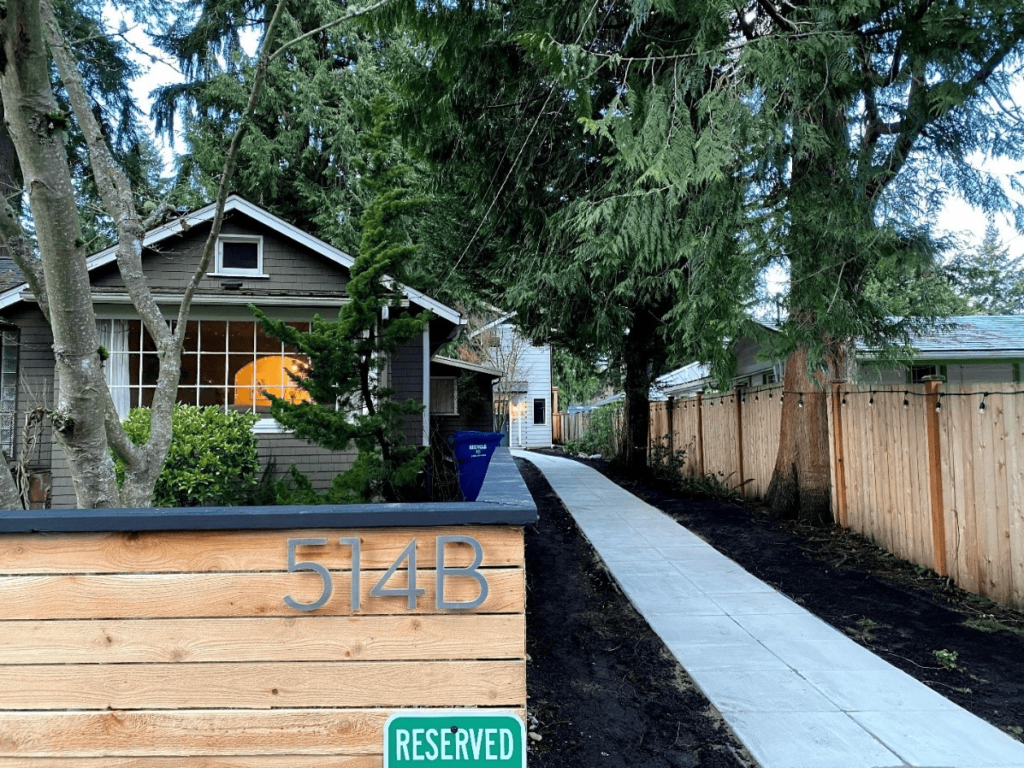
(454, 738)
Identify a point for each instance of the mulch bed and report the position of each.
(963, 646)
(604, 691)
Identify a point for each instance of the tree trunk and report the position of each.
(801, 482)
(636, 415)
(36, 128)
(10, 498)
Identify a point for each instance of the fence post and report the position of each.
(840, 468)
(700, 435)
(739, 439)
(932, 392)
(671, 428)
(556, 417)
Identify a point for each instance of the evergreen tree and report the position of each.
(594, 193)
(990, 282)
(300, 158)
(870, 111)
(578, 380)
(349, 404)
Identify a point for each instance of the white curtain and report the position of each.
(114, 336)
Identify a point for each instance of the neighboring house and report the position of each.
(968, 349)
(227, 360)
(523, 396)
(461, 395)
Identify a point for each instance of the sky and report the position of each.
(956, 216)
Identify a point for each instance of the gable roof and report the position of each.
(238, 204)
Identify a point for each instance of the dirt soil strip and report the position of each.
(604, 690)
(963, 646)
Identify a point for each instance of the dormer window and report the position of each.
(240, 256)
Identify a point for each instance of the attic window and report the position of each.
(240, 256)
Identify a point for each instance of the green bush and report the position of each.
(602, 433)
(212, 460)
(666, 468)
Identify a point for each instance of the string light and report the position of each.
(872, 400)
(938, 403)
(981, 405)
(800, 404)
(906, 400)
(844, 398)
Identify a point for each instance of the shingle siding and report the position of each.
(35, 377)
(290, 267)
(406, 372)
(318, 464)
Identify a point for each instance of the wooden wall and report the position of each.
(571, 426)
(885, 449)
(177, 649)
(925, 472)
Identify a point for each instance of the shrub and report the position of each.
(212, 459)
(602, 435)
(666, 467)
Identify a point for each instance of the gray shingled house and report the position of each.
(227, 360)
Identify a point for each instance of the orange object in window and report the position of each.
(270, 374)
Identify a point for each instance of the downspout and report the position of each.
(426, 386)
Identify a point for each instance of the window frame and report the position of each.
(10, 339)
(916, 372)
(266, 424)
(533, 416)
(221, 271)
(455, 396)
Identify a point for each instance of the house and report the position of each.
(965, 350)
(227, 360)
(461, 395)
(523, 397)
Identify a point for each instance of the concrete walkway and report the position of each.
(797, 693)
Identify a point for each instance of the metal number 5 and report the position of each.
(308, 566)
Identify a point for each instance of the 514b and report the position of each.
(380, 589)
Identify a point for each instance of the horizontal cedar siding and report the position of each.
(213, 669)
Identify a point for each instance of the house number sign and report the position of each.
(380, 589)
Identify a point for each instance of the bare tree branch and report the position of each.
(113, 185)
(18, 246)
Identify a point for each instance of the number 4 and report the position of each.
(379, 590)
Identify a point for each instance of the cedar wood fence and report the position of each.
(933, 473)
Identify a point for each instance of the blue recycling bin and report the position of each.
(473, 451)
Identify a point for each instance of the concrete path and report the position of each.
(797, 693)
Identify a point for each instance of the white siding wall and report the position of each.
(535, 369)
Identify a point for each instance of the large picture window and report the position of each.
(227, 363)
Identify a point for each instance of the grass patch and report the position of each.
(993, 625)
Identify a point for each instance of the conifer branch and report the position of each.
(230, 164)
(324, 27)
